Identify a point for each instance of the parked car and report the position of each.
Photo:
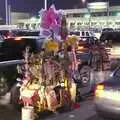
(112, 42)
(11, 55)
(82, 33)
(107, 96)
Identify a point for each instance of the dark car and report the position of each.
(11, 54)
(16, 41)
(112, 41)
(107, 96)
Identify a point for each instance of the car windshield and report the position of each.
(75, 33)
(26, 33)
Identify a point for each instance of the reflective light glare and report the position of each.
(99, 93)
(18, 38)
(111, 75)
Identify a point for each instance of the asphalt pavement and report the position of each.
(85, 112)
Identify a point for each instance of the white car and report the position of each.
(82, 33)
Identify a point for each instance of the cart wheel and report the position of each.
(85, 72)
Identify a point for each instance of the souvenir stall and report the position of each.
(47, 82)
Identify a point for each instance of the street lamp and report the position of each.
(45, 5)
(7, 12)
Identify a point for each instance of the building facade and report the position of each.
(101, 18)
(84, 18)
(16, 16)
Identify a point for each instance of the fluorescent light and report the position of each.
(98, 5)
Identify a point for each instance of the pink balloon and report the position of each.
(44, 21)
(51, 20)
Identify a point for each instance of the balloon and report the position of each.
(44, 21)
(52, 16)
(51, 21)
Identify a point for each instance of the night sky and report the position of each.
(33, 6)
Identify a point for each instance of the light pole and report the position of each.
(108, 13)
(9, 14)
(45, 4)
(6, 11)
(90, 18)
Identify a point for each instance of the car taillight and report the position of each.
(80, 47)
(99, 89)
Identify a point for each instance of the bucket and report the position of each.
(28, 113)
(73, 92)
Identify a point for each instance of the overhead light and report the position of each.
(98, 5)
